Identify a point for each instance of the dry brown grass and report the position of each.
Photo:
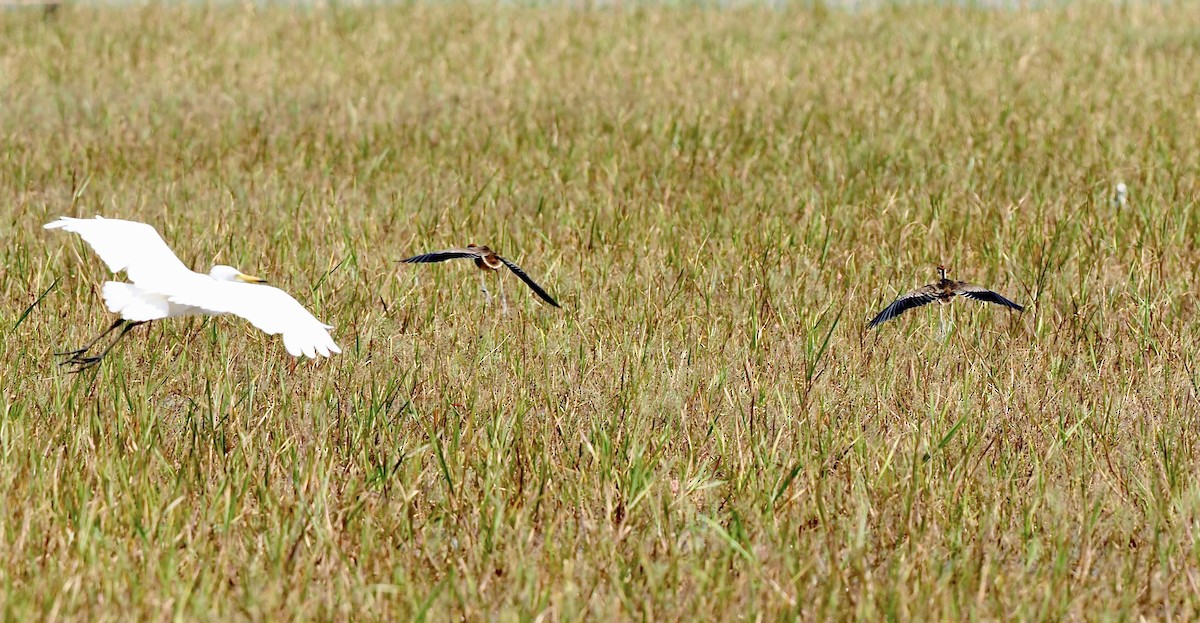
(720, 199)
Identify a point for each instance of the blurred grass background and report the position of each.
(720, 199)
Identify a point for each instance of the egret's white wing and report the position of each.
(135, 248)
(269, 309)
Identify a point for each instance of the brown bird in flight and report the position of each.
(942, 291)
(486, 260)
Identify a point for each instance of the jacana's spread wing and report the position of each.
(921, 296)
(529, 282)
(980, 293)
(442, 256)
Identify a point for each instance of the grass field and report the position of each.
(720, 200)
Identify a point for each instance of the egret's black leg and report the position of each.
(80, 351)
(82, 363)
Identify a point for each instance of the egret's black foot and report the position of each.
(78, 359)
(83, 363)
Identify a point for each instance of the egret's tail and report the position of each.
(134, 304)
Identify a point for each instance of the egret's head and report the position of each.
(220, 272)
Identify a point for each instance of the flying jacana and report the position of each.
(942, 291)
(486, 260)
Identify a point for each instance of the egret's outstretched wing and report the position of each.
(442, 256)
(269, 309)
(529, 282)
(980, 293)
(135, 248)
(916, 298)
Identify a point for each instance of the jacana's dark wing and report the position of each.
(529, 282)
(979, 293)
(916, 298)
(442, 256)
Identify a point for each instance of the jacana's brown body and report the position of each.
(488, 259)
(945, 287)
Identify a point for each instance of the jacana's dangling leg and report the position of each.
(503, 301)
(79, 351)
(87, 362)
(487, 296)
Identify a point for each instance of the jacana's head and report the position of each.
(221, 272)
(941, 271)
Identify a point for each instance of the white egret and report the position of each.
(160, 286)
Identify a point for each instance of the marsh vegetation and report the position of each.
(720, 200)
